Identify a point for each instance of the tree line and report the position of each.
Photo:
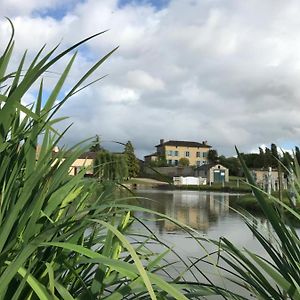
(114, 166)
(265, 158)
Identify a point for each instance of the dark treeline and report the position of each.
(265, 158)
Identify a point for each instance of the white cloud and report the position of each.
(222, 71)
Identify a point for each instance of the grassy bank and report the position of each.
(235, 184)
(250, 203)
(215, 188)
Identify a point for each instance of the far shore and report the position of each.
(135, 183)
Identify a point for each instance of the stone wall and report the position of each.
(171, 171)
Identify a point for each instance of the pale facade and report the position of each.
(84, 161)
(81, 163)
(214, 173)
(173, 151)
(263, 177)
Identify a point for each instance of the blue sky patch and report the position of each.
(158, 4)
(59, 11)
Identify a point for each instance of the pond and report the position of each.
(207, 212)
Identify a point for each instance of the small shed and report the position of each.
(214, 173)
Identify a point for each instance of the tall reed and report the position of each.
(59, 238)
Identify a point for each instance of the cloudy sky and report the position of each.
(223, 71)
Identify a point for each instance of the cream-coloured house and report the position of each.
(85, 160)
(173, 151)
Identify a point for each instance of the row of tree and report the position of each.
(114, 166)
(265, 158)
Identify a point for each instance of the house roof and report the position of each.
(184, 144)
(153, 154)
(89, 154)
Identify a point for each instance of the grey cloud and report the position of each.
(222, 71)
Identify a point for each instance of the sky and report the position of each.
(226, 72)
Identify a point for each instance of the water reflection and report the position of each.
(199, 210)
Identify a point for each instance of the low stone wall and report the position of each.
(171, 171)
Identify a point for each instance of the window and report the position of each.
(169, 153)
(205, 154)
(198, 163)
(169, 161)
(187, 153)
(176, 153)
(176, 162)
(198, 154)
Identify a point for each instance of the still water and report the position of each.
(207, 212)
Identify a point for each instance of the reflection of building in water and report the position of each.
(197, 210)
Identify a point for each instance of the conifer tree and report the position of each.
(96, 147)
(132, 162)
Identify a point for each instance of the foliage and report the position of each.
(132, 162)
(266, 158)
(96, 145)
(160, 162)
(275, 274)
(183, 162)
(232, 164)
(212, 156)
(60, 237)
(110, 166)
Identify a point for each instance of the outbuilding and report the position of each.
(214, 173)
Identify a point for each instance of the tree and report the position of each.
(275, 156)
(297, 153)
(110, 166)
(269, 159)
(232, 164)
(251, 160)
(261, 158)
(212, 156)
(287, 160)
(96, 147)
(132, 162)
(183, 162)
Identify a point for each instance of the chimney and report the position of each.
(204, 142)
(162, 141)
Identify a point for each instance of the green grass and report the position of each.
(230, 187)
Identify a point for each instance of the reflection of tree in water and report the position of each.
(196, 209)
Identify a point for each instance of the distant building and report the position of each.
(173, 151)
(263, 177)
(214, 173)
(151, 157)
(85, 160)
